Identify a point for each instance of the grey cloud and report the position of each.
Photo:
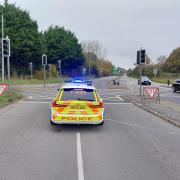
(122, 26)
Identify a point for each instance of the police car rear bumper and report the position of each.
(88, 119)
(76, 122)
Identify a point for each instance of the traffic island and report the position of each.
(166, 110)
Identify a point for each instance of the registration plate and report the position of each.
(77, 118)
(78, 107)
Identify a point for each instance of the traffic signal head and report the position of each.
(44, 60)
(143, 56)
(138, 57)
(5, 47)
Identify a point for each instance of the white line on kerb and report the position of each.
(79, 158)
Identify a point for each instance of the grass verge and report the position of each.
(33, 81)
(9, 97)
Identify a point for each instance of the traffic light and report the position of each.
(138, 57)
(141, 56)
(44, 60)
(5, 47)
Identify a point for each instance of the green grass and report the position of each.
(33, 81)
(164, 80)
(9, 97)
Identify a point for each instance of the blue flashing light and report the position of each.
(79, 81)
(89, 83)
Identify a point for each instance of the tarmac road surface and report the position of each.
(132, 145)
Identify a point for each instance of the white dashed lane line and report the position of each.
(79, 158)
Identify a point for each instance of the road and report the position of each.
(132, 145)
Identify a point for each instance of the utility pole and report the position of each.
(44, 63)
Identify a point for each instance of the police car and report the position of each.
(77, 102)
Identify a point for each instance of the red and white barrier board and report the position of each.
(3, 87)
(151, 91)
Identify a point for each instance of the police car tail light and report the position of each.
(54, 104)
(100, 105)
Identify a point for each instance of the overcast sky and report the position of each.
(122, 26)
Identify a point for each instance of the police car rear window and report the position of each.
(78, 94)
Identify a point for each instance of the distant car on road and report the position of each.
(176, 85)
(144, 80)
(77, 102)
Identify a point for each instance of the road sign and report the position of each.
(3, 87)
(155, 71)
(151, 91)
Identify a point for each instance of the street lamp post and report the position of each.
(2, 57)
(2, 35)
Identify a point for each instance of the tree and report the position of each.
(161, 59)
(172, 64)
(27, 44)
(61, 43)
(94, 47)
(95, 58)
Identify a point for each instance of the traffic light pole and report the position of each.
(140, 93)
(8, 68)
(44, 63)
(31, 69)
(44, 76)
(50, 76)
(59, 66)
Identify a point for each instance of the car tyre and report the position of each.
(101, 124)
(174, 89)
(52, 123)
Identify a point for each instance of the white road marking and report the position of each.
(35, 102)
(143, 127)
(120, 103)
(79, 158)
(121, 99)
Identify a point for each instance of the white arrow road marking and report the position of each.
(79, 158)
